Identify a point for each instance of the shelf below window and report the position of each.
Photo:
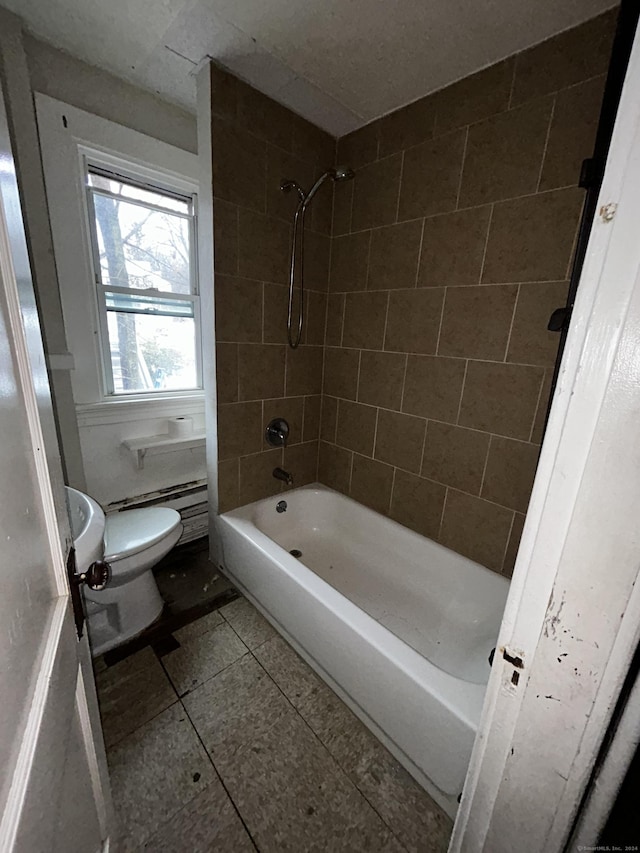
(151, 445)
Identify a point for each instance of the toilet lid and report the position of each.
(131, 531)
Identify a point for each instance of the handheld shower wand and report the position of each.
(341, 173)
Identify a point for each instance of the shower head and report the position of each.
(342, 173)
(286, 186)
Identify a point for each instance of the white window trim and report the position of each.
(67, 136)
(158, 182)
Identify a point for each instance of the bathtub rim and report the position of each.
(240, 512)
(467, 696)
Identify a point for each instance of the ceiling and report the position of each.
(339, 63)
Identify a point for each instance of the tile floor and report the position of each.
(187, 578)
(190, 587)
(232, 743)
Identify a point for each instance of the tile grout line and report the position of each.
(320, 741)
(424, 418)
(464, 157)
(450, 212)
(424, 444)
(485, 285)
(351, 204)
(386, 322)
(220, 779)
(464, 380)
(513, 81)
(375, 433)
(535, 416)
(506, 544)
(146, 722)
(352, 453)
(367, 289)
(444, 506)
(546, 142)
(418, 354)
(440, 324)
(486, 464)
(422, 230)
(399, 188)
(486, 242)
(511, 325)
(431, 479)
(404, 384)
(393, 485)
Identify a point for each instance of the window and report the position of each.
(142, 241)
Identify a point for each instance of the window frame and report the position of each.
(66, 133)
(144, 178)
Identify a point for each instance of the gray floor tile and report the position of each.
(293, 797)
(292, 675)
(154, 773)
(248, 623)
(235, 707)
(202, 657)
(199, 627)
(406, 808)
(208, 823)
(347, 739)
(131, 693)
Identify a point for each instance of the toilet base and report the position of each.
(122, 613)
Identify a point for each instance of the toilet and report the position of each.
(134, 541)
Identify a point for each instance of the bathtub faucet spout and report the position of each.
(285, 476)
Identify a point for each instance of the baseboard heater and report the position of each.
(190, 500)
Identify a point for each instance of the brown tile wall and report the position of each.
(256, 143)
(450, 249)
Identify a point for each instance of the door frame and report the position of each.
(61, 649)
(572, 619)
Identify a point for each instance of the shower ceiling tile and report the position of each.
(198, 31)
(317, 106)
(167, 74)
(326, 59)
(347, 49)
(115, 36)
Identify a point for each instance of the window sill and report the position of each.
(125, 410)
(151, 445)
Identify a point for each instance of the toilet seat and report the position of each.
(134, 530)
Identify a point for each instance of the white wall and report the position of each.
(95, 459)
(59, 75)
(110, 471)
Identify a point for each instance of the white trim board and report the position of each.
(126, 411)
(66, 135)
(573, 612)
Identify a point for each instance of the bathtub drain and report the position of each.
(295, 553)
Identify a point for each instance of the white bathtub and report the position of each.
(401, 626)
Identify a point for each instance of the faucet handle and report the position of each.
(277, 432)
